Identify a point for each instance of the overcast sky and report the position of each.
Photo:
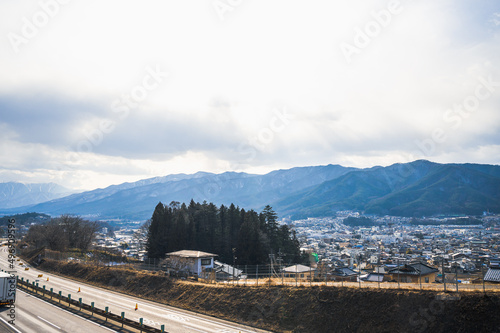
(94, 93)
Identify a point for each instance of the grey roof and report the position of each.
(298, 269)
(230, 270)
(374, 277)
(424, 269)
(492, 275)
(414, 269)
(344, 271)
(191, 254)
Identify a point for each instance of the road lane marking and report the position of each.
(194, 329)
(90, 321)
(48, 322)
(15, 329)
(165, 308)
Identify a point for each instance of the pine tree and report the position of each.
(157, 242)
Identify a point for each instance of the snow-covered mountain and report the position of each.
(411, 189)
(18, 194)
(135, 201)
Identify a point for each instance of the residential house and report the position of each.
(188, 262)
(414, 273)
(344, 274)
(225, 271)
(373, 277)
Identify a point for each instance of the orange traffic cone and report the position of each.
(79, 289)
(47, 278)
(136, 307)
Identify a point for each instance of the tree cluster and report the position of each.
(65, 232)
(234, 234)
(361, 221)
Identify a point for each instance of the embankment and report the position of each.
(302, 309)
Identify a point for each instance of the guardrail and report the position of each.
(69, 303)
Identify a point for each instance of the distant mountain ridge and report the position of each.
(14, 194)
(419, 188)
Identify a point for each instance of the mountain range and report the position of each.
(14, 194)
(420, 188)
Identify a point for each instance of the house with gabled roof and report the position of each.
(414, 273)
(226, 272)
(189, 262)
(344, 274)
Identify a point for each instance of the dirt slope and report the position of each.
(302, 309)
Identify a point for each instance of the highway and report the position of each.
(33, 315)
(153, 314)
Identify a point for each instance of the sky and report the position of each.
(94, 93)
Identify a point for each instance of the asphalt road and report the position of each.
(33, 315)
(153, 314)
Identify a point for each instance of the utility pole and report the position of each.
(482, 271)
(420, 275)
(280, 260)
(234, 261)
(271, 268)
(399, 279)
(442, 273)
(378, 272)
(359, 270)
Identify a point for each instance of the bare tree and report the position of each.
(141, 235)
(60, 233)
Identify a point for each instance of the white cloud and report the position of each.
(226, 78)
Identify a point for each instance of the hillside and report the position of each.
(414, 189)
(302, 309)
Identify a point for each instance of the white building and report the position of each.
(191, 262)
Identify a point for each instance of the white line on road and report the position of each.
(194, 329)
(90, 321)
(48, 322)
(15, 329)
(167, 310)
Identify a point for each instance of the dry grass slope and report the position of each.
(302, 309)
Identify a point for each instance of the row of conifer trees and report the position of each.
(234, 234)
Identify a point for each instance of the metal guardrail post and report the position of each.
(257, 274)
